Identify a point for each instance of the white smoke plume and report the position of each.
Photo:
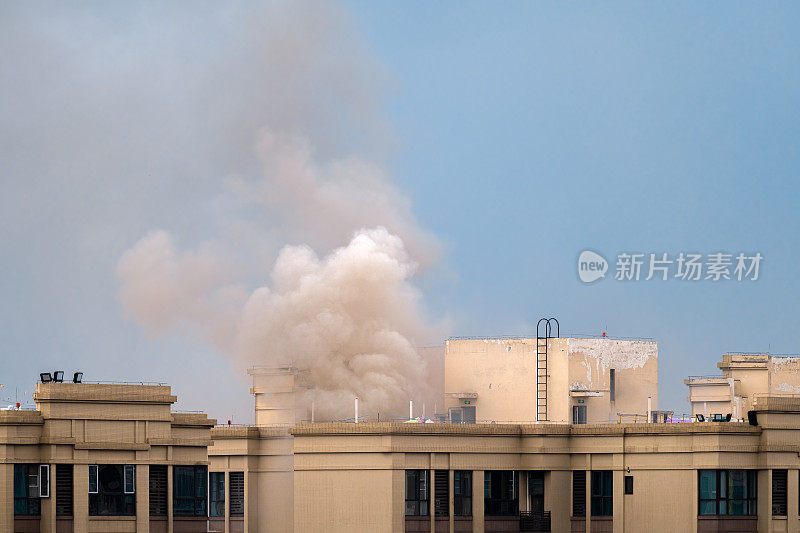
(350, 316)
(350, 319)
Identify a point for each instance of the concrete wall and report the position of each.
(82, 424)
(502, 372)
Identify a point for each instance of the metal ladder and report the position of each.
(541, 364)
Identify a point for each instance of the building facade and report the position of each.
(744, 378)
(563, 380)
(103, 458)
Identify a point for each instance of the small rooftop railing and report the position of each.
(564, 336)
(105, 382)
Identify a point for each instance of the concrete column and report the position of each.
(432, 497)
(80, 498)
(169, 498)
(695, 498)
(6, 497)
(793, 500)
(398, 498)
(477, 501)
(227, 475)
(48, 521)
(142, 498)
(451, 498)
(589, 496)
(619, 500)
(764, 502)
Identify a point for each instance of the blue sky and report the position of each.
(523, 133)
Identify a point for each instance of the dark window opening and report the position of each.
(189, 491)
(578, 414)
(462, 493)
(779, 506)
(441, 492)
(500, 493)
(727, 492)
(111, 496)
(26, 490)
(612, 385)
(237, 493)
(64, 490)
(536, 491)
(628, 484)
(416, 493)
(158, 490)
(579, 493)
(216, 493)
(602, 493)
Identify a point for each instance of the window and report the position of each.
(107, 491)
(189, 490)
(579, 493)
(216, 493)
(130, 479)
(416, 493)
(578, 414)
(63, 490)
(158, 490)
(26, 490)
(628, 484)
(441, 492)
(779, 506)
(500, 493)
(468, 414)
(612, 385)
(602, 493)
(44, 481)
(462, 493)
(455, 415)
(93, 479)
(727, 492)
(536, 491)
(237, 493)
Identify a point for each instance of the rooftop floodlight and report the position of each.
(46, 377)
(58, 376)
(77, 377)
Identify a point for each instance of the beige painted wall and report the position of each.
(502, 372)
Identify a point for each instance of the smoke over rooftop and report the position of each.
(341, 304)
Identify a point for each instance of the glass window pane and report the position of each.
(707, 507)
(708, 484)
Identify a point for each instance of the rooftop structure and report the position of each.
(744, 378)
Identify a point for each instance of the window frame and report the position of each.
(602, 493)
(216, 494)
(580, 414)
(32, 501)
(199, 502)
(125, 502)
(96, 478)
(462, 502)
(126, 470)
(420, 493)
(722, 488)
(502, 501)
(44, 481)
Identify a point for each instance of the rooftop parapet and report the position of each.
(103, 393)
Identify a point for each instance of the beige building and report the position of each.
(394, 477)
(103, 458)
(566, 380)
(744, 378)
